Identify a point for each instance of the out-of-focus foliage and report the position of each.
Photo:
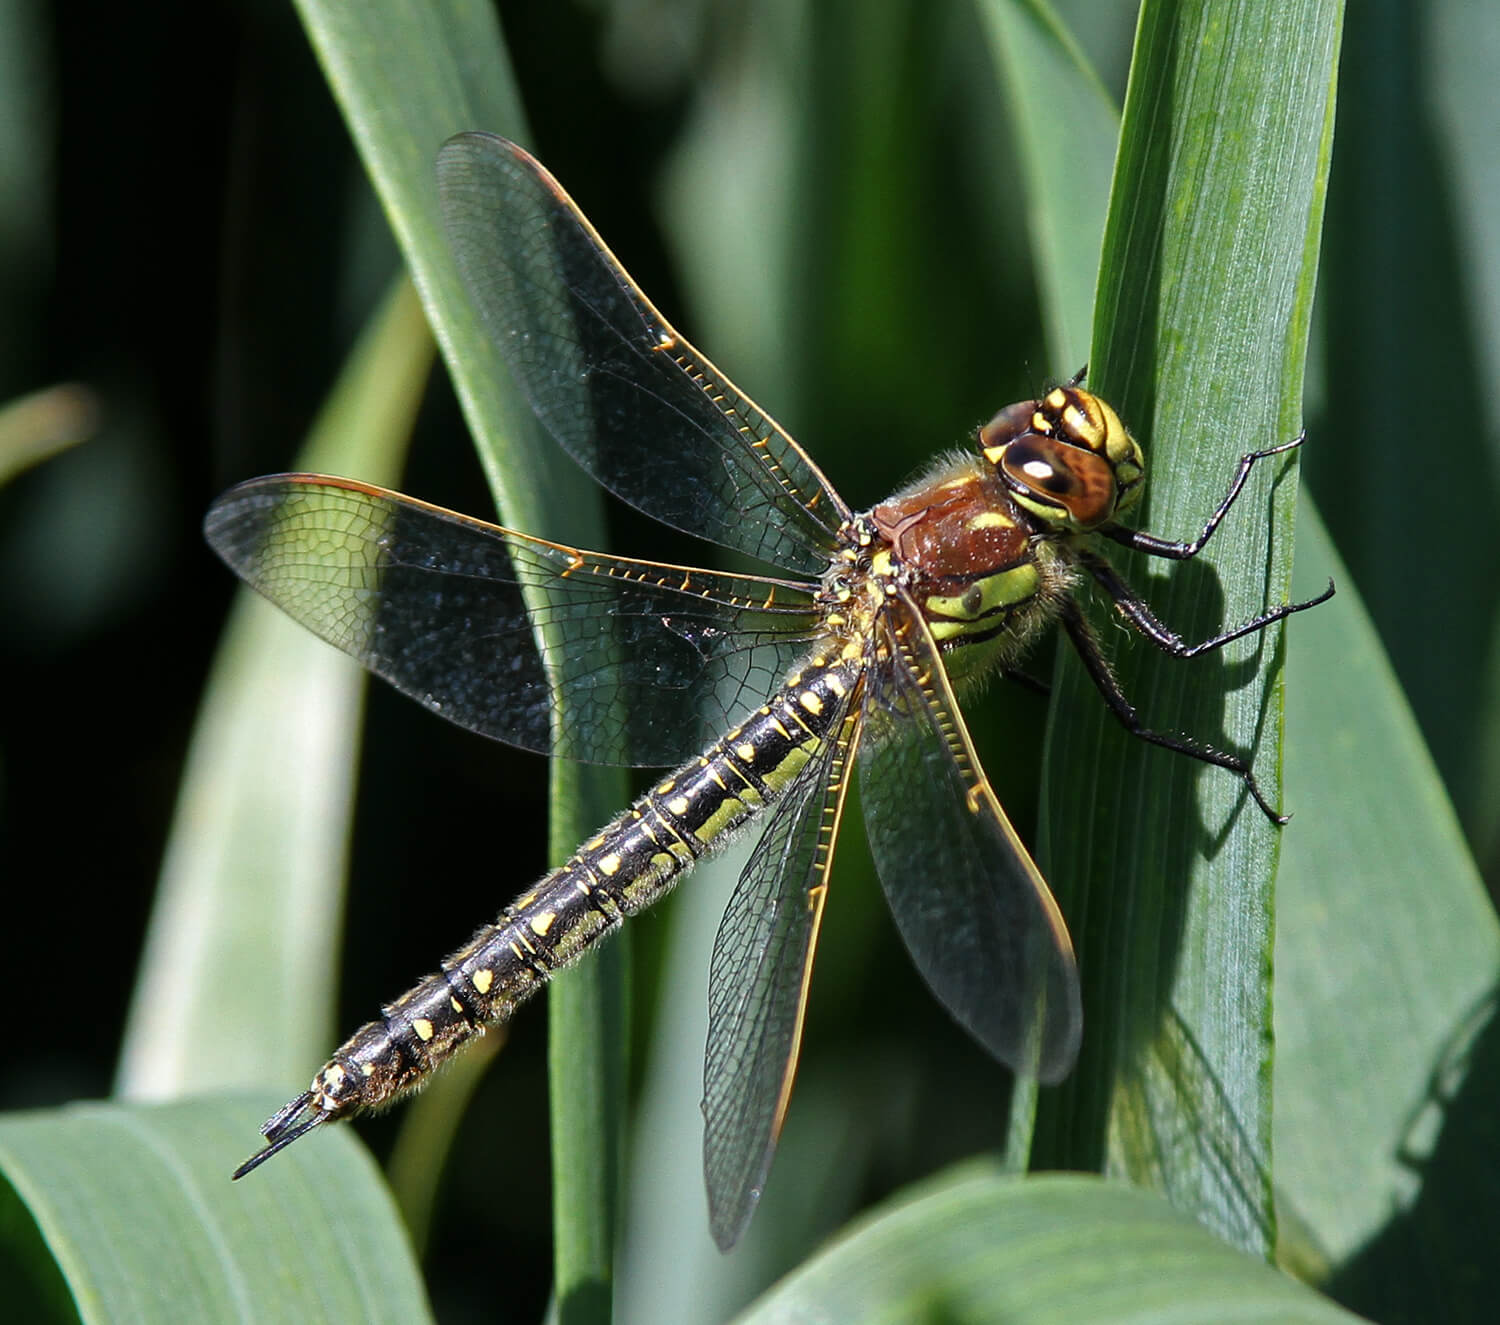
(855, 208)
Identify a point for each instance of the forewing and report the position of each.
(758, 982)
(631, 400)
(647, 662)
(974, 911)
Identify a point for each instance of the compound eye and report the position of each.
(1049, 474)
(1011, 422)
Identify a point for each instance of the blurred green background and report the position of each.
(186, 233)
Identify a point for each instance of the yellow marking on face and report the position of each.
(994, 453)
(423, 1028)
(482, 979)
(810, 701)
(610, 864)
(678, 805)
(542, 922)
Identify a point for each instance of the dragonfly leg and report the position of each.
(1179, 551)
(1135, 610)
(1104, 681)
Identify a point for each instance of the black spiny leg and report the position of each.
(1165, 547)
(1134, 609)
(1104, 681)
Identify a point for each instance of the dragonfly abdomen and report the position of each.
(620, 871)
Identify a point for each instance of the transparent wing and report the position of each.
(757, 986)
(626, 396)
(974, 911)
(649, 662)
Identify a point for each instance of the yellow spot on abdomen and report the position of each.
(678, 805)
(482, 979)
(542, 922)
(609, 864)
(810, 701)
(423, 1028)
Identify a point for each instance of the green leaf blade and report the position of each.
(134, 1205)
(409, 76)
(1166, 868)
(973, 1245)
(1386, 958)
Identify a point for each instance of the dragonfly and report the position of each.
(764, 693)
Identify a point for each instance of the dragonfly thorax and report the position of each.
(975, 561)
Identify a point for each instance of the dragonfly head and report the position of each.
(1066, 458)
